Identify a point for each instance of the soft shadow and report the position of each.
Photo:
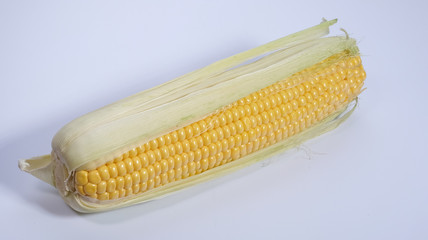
(36, 142)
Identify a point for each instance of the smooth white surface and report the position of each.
(366, 180)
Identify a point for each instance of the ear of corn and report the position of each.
(206, 123)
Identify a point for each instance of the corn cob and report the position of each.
(206, 123)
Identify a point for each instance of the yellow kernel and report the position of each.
(122, 193)
(198, 155)
(219, 146)
(181, 134)
(228, 154)
(189, 131)
(243, 150)
(161, 141)
(158, 168)
(222, 119)
(164, 152)
(186, 146)
(252, 134)
(263, 129)
(206, 138)
(150, 184)
(232, 128)
(164, 178)
(254, 108)
(265, 117)
(164, 165)
(185, 171)
(294, 104)
(112, 170)
(238, 140)
(133, 152)
(245, 138)
(152, 157)
(178, 161)
(204, 164)
(147, 146)
(212, 149)
(144, 160)
(178, 173)
(271, 138)
(185, 158)
(128, 192)
(224, 145)
(81, 177)
(211, 162)
(137, 163)
(128, 181)
(192, 168)
(136, 179)
(275, 125)
(140, 149)
(168, 139)
(129, 165)
(226, 131)
(144, 175)
(121, 168)
(153, 144)
(151, 172)
(205, 152)
(235, 153)
(213, 135)
(250, 146)
(171, 149)
(158, 154)
(302, 101)
(296, 92)
(263, 141)
(256, 144)
(271, 115)
(241, 111)
(219, 157)
(94, 177)
(174, 137)
(171, 175)
(143, 186)
(90, 188)
(111, 185)
(228, 115)
(101, 187)
(235, 114)
(120, 183)
(136, 188)
(193, 144)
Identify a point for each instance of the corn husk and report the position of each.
(100, 136)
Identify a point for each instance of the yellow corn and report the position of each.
(301, 95)
(245, 126)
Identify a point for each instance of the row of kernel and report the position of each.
(150, 157)
(155, 178)
(238, 123)
(195, 129)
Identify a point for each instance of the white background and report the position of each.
(368, 179)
